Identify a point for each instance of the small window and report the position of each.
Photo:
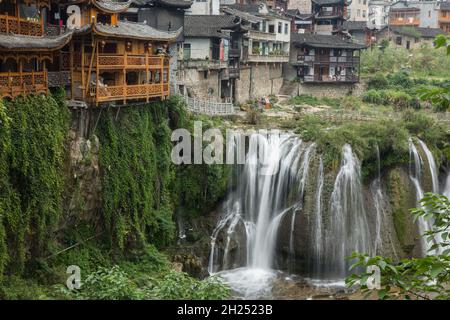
(416, 40)
(205, 74)
(364, 13)
(398, 41)
(286, 28)
(358, 13)
(187, 51)
(280, 27)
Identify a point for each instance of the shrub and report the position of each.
(304, 99)
(351, 103)
(378, 81)
(400, 78)
(372, 96)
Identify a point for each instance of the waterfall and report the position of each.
(317, 244)
(415, 174)
(381, 216)
(348, 230)
(432, 166)
(269, 186)
(446, 191)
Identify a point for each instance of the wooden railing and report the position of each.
(121, 61)
(327, 78)
(13, 84)
(126, 92)
(16, 25)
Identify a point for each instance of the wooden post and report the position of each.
(96, 73)
(93, 54)
(161, 75)
(83, 86)
(72, 84)
(147, 75)
(124, 70)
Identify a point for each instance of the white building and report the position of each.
(358, 10)
(204, 7)
(378, 13)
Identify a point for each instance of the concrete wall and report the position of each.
(200, 47)
(330, 90)
(196, 85)
(258, 80)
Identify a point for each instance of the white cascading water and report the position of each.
(348, 229)
(269, 188)
(446, 191)
(381, 216)
(415, 174)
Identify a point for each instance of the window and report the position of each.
(398, 41)
(286, 28)
(365, 2)
(280, 27)
(205, 74)
(364, 13)
(429, 13)
(264, 26)
(444, 14)
(271, 28)
(187, 51)
(358, 13)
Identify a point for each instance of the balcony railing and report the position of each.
(234, 72)
(268, 58)
(58, 79)
(307, 59)
(407, 21)
(16, 25)
(260, 35)
(206, 64)
(127, 92)
(122, 61)
(13, 84)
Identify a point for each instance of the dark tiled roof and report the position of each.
(249, 8)
(242, 15)
(414, 31)
(112, 6)
(325, 2)
(137, 31)
(208, 26)
(445, 5)
(323, 41)
(183, 4)
(29, 43)
(354, 25)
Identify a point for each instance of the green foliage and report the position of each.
(177, 285)
(32, 177)
(390, 137)
(378, 82)
(422, 278)
(313, 101)
(135, 158)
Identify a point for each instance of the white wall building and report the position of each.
(204, 7)
(378, 13)
(358, 10)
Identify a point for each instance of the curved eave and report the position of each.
(27, 43)
(121, 7)
(179, 4)
(173, 38)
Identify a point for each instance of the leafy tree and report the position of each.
(419, 278)
(440, 97)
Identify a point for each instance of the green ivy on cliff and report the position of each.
(32, 140)
(135, 160)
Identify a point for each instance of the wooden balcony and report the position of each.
(16, 25)
(129, 92)
(122, 61)
(407, 21)
(13, 84)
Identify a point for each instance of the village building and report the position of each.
(378, 13)
(444, 16)
(264, 49)
(304, 6)
(408, 37)
(116, 61)
(329, 16)
(422, 14)
(300, 22)
(30, 60)
(358, 31)
(209, 65)
(167, 15)
(358, 10)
